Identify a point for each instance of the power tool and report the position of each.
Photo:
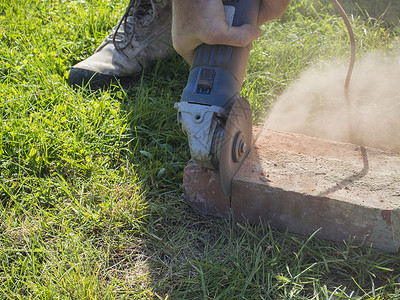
(216, 120)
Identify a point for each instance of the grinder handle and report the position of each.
(228, 58)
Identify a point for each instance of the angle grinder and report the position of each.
(216, 120)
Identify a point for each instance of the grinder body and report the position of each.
(211, 112)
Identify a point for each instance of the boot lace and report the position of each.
(138, 13)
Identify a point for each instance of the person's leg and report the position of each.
(142, 35)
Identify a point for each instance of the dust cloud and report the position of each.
(315, 104)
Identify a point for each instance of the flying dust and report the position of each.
(316, 105)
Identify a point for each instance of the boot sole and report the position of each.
(82, 78)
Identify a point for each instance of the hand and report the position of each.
(195, 22)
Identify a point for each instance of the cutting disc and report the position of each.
(236, 143)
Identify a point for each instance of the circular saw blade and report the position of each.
(236, 143)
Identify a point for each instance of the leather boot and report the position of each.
(142, 35)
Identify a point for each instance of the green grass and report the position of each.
(90, 182)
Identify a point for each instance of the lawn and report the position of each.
(91, 202)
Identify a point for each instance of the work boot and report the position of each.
(142, 35)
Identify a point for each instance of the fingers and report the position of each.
(187, 52)
(226, 35)
(195, 22)
(236, 36)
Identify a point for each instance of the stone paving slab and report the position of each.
(303, 184)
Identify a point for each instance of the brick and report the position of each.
(304, 184)
(202, 190)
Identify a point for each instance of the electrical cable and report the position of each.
(352, 137)
(352, 42)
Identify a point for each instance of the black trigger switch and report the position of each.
(205, 81)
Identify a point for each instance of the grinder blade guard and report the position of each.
(217, 121)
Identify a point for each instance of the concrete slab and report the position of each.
(303, 184)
